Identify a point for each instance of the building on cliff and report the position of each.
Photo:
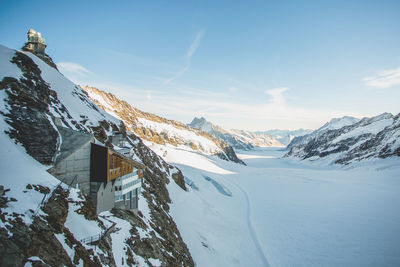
(35, 43)
(110, 178)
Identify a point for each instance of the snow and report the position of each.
(118, 238)
(338, 123)
(62, 239)
(66, 93)
(372, 128)
(101, 100)
(206, 144)
(16, 178)
(283, 212)
(8, 69)
(155, 262)
(34, 258)
(77, 223)
(187, 156)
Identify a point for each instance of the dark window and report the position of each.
(98, 163)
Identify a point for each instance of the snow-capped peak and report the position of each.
(202, 124)
(337, 123)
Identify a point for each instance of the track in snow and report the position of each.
(251, 229)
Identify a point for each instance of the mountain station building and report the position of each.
(110, 178)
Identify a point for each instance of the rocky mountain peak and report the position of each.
(346, 140)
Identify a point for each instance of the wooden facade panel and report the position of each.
(118, 165)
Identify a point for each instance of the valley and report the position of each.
(286, 212)
(91, 180)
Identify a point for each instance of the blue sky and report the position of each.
(241, 64)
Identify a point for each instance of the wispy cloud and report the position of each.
(192, 49)
(384, 79)
(276, 96)
(274, 112)
(73, 68)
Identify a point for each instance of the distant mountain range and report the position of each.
(246, 140)
(346, 140)
(285, 136)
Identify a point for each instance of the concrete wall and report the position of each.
(77, 164)
(105, 197)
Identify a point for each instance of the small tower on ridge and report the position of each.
(35, 43)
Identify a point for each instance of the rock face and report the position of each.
(30, 102)
(238, 139)
(34, 94)
(160, 130)
(39, 240)
(347, 140)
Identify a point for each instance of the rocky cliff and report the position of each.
(41, 221)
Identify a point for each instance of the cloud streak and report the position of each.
(192, 49)
(384, 79)
(73, 68)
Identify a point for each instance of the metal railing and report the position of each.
(95, 238)
(49, 195)
(91, 239)
(45, 197)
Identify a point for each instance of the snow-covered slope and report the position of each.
(346, 140)
(160, 130)
(239, 139)
(285, 136)
(43, 222)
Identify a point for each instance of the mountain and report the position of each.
(333, 124)
(346, 140)
(218, 132)
(256, 139)
(337, 123)
(44, 222)
(238, 139)
(160, 130)
(285, 136)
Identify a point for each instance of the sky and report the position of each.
(252, 65)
